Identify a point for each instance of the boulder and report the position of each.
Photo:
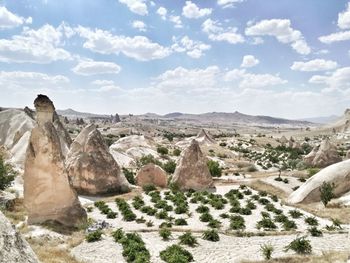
(309, 192)
(152, 174)
(283, 140)
(48, 195)
(91, 168)
(13, 247)
(192, 171)
(322, 156)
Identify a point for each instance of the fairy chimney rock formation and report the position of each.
(152, 174)
(91, 167)
(48, 195)
(322, 156)
(192, 171)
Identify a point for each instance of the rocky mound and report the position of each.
(283, 140)
(342, 124)
(192, 171)
(204, 137)
(152, 174)
(322, 156)
(309, 192)
(48, 195)
(13, 247)
(91, 167)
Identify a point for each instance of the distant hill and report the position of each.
(70, 113)
(322, 120)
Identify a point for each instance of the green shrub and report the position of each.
(315, 232)
(94, 236)
(312, 221)
(245, 211)
(267, 250)
(237, 223)
(214, 223)
(134, 249)
(266, 223)
(176, 254)
(211, 235)
(300, 245)
(129, 175)
(138, 202)
(7, 174)
(180, 222)
(176, 152)
(205, 217)
(111, 215)
(251, 168)
(118, 234)
(148, 188)
(148, 159)
(162, 150)
(169, 166)
(149, 223)
(165, 233)
(202, 209)
(188, 239)
(326, 191)
(289, 225)
(214, 168)
(312, 171)
(295, 213)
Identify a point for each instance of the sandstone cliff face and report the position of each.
(309, 192)
(152, 174)
(192, 171)
(13, 247)
(322, 156)
(91, 168)
(48, 194)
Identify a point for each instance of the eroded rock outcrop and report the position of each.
(91, 168)
(323, 155)
(204, 137)
(152, 174)
(309, 192)
(192, 171)
(48, 195)
(13, 247)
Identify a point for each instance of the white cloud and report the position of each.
(10, 20)
(137, 47)
(141, 26)
(257, 41)
(228, 3)
(217, 33)
(36, 46)
(192, 48)
(191, 10)
(335, 37)
(136, 6)
(87, 68)
(252, 81)
(162, 11)
(108, 88)
(344, 18)
(314, 65)
(282, 30)
(249, 61)
(339, 79)
(26, 79)
(102, 82)
(176, 20)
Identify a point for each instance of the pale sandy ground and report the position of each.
(228, 249)
(287, 188)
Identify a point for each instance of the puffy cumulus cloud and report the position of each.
(228, 3)
(216, 32)
(140, 25)
(192, 48)
(36, 46)
(138, 47)
(10, 20)
(162, 11)
(102, 82)
(314, 65)
(249, 61)
(251, 81)
(136, 6)
(20, 80)
(176, 20)
(88, 68)
(335, 37)
(191, 10)
(344, 18)
(282, 30)
(339, 79)
(108, 88)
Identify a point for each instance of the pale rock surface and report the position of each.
(13, 247)
(309, 192)
(348, 154)
(283, 140)
(152, 174)
(204, 137)
(91, 167)
(48, 195)
(192, 171)
(325, 155)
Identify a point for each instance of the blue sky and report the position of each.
(280, 58)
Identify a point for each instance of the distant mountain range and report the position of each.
(322, 120)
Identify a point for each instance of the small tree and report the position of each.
(7, 174)
(129, 175)
(169, 166)
(214, 168)
(327, 192)
(162, 150)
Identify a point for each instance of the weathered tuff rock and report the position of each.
(152, 174)
(192, 171)
(283, 140)
(348, 154)
(13, 247)
(322, 156)
(91, 167)
(48, 195)
(309, 192)
(204, 137)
